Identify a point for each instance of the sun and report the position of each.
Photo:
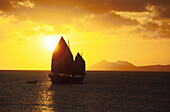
(51, 42)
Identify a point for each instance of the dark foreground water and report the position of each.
(101, 91)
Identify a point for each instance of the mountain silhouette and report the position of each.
(126, 66)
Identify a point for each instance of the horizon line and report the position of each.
(93, 70)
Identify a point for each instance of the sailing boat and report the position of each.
(63, 68)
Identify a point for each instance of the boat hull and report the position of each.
(66, 78)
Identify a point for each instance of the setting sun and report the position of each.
(133, 31)
(51, 42)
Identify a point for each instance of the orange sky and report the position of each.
(132, 30)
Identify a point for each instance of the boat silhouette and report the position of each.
(63, 68)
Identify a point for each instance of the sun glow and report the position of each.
(51, 42)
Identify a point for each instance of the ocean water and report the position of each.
(100, 92)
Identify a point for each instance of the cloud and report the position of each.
(26, 4)
(105, 16)
(102, 22)
(165, 30)
(5, 5)
(97, 6)
(33, 32)
(161, 31)
(12, 5)
(102, 6)
(152, 30)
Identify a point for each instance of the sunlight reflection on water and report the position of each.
(45, 99)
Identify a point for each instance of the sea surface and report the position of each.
(100, 92)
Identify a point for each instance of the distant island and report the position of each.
(126, 66)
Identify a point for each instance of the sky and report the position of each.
(137, 31)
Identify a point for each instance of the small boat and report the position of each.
(63, 68)
(31, 82)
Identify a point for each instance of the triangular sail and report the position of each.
(79, 65)
(62, 59)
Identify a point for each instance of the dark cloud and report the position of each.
(102, 6)
(165, 30)
(165, 14)
(154, 30)
(151, 26)
(5, 5)
(112, 19)
(99, 6)
(10, 5)
(104, 23)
